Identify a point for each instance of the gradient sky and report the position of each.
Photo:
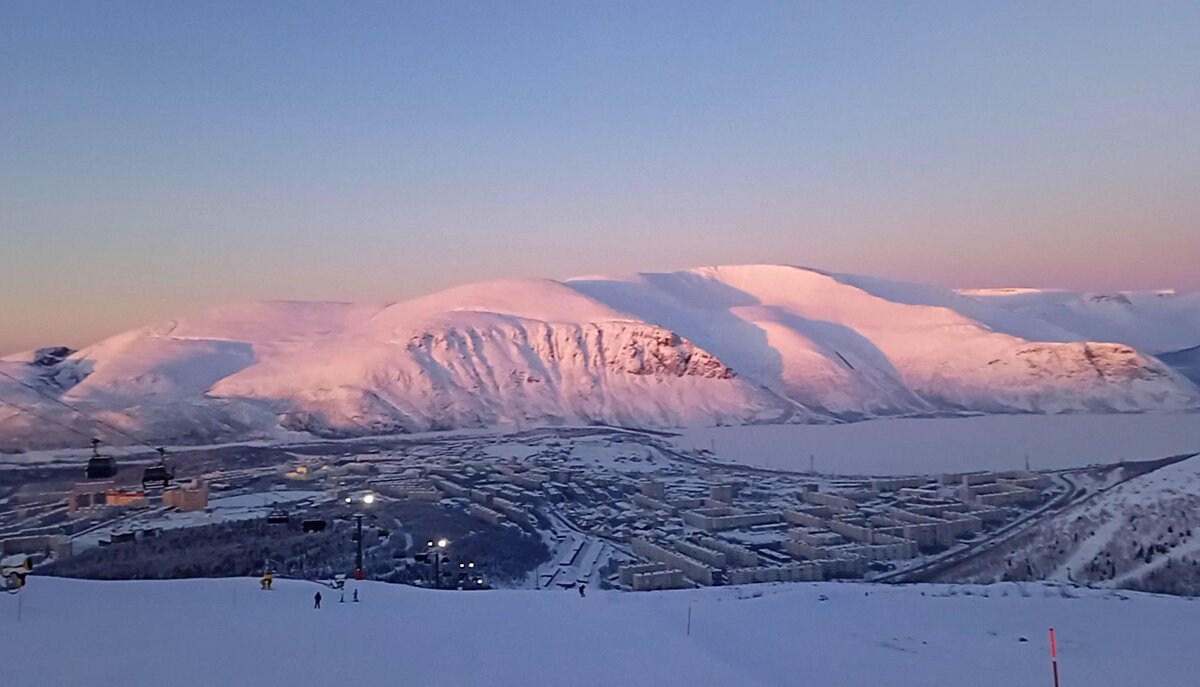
(158, 157)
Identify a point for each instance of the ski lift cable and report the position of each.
(116, 449)
(68, 406)
(43, 418)
(65, 426)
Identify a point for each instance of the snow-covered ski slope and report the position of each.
(703, 347)
(198, 633)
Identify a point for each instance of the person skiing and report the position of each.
(317, 600)
(355, 596)
(582, 587)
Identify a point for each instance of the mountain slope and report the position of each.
(786, 325)
(1141, 534)
(720, 345)
(1187, 362)
(1151, 321)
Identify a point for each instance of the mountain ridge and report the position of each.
(715, 345)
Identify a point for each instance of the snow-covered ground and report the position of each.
(911, 446)
(227, 632)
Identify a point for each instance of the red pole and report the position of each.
(1054, 656)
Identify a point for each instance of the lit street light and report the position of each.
(436, 553)
(437, 550)
(366, 499)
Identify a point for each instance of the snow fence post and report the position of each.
(1054, 656)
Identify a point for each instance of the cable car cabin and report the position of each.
(101, 467)
(313, 525)
(278, 516)
(156, 475)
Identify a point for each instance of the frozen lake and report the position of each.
(897, 447)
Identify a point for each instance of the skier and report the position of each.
(355, 596)
(582, 587)
(317, 600)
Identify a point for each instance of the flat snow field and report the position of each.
(925, 446)
(227, 632)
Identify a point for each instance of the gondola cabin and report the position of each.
(101, 467)
(156, 476)
(98, 466)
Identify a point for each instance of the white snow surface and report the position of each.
(711, 346)
(227, 632)
(1167, 497)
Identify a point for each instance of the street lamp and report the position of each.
(437, 549)
(366, 499)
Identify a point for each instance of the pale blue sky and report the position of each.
(157, 157)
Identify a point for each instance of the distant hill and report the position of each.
(716, 345)
(1187, 362)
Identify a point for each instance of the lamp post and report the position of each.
(437, 549)
(366, 499)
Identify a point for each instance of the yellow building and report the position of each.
(190, 498)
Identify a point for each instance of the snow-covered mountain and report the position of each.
(1153, 322)
(719, 345)
(1186, 361)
